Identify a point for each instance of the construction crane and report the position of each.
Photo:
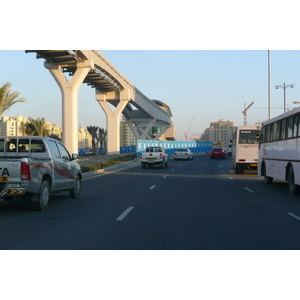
(187, 133)
(288, 108)
(244, 112)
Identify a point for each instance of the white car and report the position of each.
(183, 153)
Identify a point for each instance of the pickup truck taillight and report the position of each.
(161, 156)
(25, 171)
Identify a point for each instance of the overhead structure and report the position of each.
(111, 87)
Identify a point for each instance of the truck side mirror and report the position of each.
(74, 156)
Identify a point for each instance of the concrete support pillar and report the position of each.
(69, 91)
(141, 132)
(113, 116)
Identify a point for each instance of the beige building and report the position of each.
(127, 137)
(11, 125)
(219, 133)
(84, 138)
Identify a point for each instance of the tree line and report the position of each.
(37, 126)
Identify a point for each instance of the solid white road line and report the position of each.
(125, 213)
(248, 190)
(152, 187)
(294, 216)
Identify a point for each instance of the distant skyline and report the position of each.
(200, 85)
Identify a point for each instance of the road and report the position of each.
(192, 205)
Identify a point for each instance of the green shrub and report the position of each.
(103, 165)
(89, 168)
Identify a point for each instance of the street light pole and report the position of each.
(269, 82)
(284, 88)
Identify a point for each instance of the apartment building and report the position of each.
(11, 126)
(127, 137)
(84, 138)
(219, 133)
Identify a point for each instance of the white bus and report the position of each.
(279, 150)
(245, 148)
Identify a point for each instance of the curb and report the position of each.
(112, 168)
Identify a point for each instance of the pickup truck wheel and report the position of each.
(162, 165)
(42, 197)
(75, 191)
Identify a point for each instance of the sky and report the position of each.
(199, 58)
(200, 86)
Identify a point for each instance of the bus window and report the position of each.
(295, 125)
(268, 133)
(298, 126)
(283, 129)
(275, 131)
(248, 136)
(289, 127)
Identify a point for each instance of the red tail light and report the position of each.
(186, 154)
(242, 159)
(25, 171)
(161, 156)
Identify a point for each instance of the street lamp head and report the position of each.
(292, 85)
(277, 87)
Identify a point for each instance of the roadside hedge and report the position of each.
(109, 163)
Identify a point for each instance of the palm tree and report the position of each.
(93, 132)
(35, 127)
(8, 98)
(102, 136)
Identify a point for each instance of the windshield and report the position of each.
(248, 136)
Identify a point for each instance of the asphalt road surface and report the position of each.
(192, 205)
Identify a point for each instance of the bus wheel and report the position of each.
(267, 179)
(237, 170)
(293, 188)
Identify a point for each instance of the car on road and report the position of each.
(218, 152)
(183, 153)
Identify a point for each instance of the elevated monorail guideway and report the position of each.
(92, 68)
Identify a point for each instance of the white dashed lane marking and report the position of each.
(125, 213)
(294, 216)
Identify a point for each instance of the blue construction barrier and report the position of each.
(128, 149)
(171, 146)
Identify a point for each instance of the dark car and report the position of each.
(217, 152)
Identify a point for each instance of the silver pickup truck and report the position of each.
(154, 156)
(33, 166)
